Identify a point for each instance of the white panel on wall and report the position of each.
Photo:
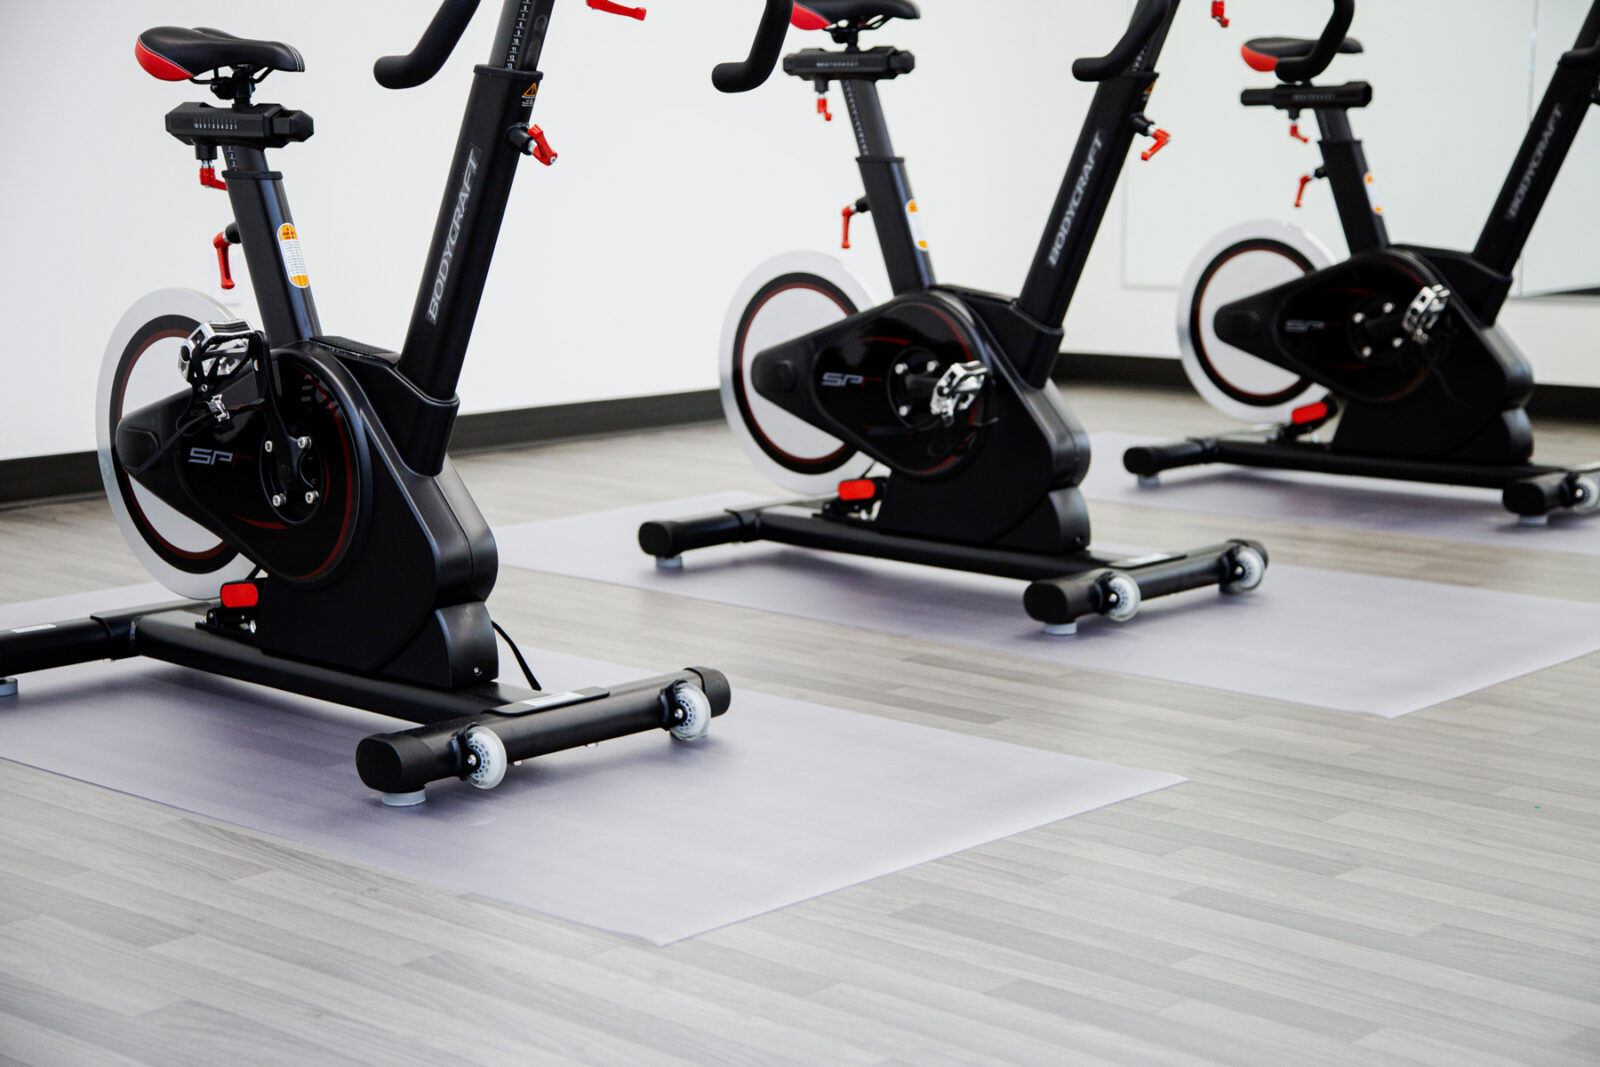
(1562, 254)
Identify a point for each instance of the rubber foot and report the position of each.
(669, 563)
(1149, 481)
(8, 687)
(1065, 629)
(404, 800)
(1533, 520)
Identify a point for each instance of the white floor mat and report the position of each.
(1351, 642)
(1413, 509)
(783, 802)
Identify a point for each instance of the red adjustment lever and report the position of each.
(1311, 413)
(221, 245)
(857, 490)
(237, 596)
(209, 179)
(849, 213)
(541, 147)
(1219, 11)
(1294, 131)
(1300, 197)
(822, 107)
(617, 9)
(1161, 138)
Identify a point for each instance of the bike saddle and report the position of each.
(832, 12)
(175, 54)
(1263, 53)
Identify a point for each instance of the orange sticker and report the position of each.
(294, 262)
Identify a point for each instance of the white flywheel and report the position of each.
(140, 367)
(784, 298)
(1240, 262)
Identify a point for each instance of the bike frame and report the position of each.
(464, 238)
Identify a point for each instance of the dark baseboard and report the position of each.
(1577, 403)
(78, 473)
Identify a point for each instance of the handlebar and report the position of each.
(1147, 20)
(1303, 70)
(438, 41)
(757, 68)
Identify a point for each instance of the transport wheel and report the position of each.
(1122, 597)
(1586, 494)
(784, 298)
(689, 712)
(486, 757)
(1246, 569)
(140, 367)
(1240, 262)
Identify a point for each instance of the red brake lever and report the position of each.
(221, 245)
(1219, 11)
(617, 9)
(541, 147)
(209, 179)
(1300, 197)
(1161, 138)
(822, 107)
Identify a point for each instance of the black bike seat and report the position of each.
(1263, 53)
(173, 53)
(833, 12)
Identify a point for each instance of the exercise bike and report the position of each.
(1398, 345)
(297, 487)
(948, 388)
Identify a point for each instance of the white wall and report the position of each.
(615, 265)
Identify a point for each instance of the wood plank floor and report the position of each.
(1327, 889)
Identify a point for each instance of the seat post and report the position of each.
(905, 253)
(1346, 162)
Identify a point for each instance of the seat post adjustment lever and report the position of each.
(229, 236)
(860, 207)
(1219, 11)
(618, 9)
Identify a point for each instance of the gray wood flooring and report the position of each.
(1327, 889)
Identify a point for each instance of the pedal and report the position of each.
(957, 390)
(1424, 313)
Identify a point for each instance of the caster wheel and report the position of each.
(486, 757)
(8, 687)
(1586, 494)
(1246, 569)
(688, 712)
(1122, 598)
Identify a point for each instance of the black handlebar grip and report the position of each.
(1147, 19)
(438, 41)
(1303, 70)
(757, 68)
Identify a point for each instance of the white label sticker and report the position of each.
(294, 263)
(1372, 195)
(914, 216)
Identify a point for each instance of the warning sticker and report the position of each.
(915, 218)
(294, 262)
(1372, 195)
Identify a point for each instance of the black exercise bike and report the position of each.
(1398, 344)
(947, 388)
(298, 486)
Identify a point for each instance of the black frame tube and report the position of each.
(260, 207)
(1345, 160)
(888, 187)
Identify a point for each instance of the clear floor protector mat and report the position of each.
(1350, 642)
(784, 800)
(1378, 505)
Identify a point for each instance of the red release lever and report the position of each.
(541, 147)
(822, 108)
(209, 179)
(221, 245)
(849, 213)
(1219, 11)
(1161, 137)
(1310, 413)
(617, 9)
(1300, 197)
(1294, 131)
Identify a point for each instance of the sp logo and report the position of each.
(209, 457)
(836, 380)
